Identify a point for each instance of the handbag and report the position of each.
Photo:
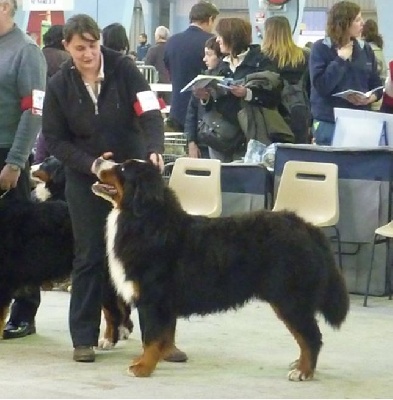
(218, 133)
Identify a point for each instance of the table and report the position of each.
(365, 190)
(245, 187)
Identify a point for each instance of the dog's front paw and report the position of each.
(140, 369)
(297, 375)
(105, 344)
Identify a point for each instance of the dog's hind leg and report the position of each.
(304, 328)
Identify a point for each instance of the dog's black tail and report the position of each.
(335, 304)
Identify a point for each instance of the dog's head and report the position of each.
(134, 185)
(51, 173)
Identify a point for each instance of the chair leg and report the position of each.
(388, 270)
(369, 273)
(340, 261)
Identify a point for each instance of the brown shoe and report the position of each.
(176, 355)
(84, 354)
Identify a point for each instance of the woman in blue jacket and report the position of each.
(339, 62)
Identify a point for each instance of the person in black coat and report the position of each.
(155, 57)
(242, 58)
(93, 110)
(195, 110)
(183, 58)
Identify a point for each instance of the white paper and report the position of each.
(357, 132)
(346, 93)
(37, 101)
(148, 101)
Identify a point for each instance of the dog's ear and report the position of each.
(144, 192)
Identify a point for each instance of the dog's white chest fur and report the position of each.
(116, 268)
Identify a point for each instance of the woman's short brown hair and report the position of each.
(81, 24)
(212, 44)
(236, 34)
(340, 18)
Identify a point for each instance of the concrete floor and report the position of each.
(241, 354)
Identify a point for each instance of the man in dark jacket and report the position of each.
(22, 72)
(183, 57)
(155, 57)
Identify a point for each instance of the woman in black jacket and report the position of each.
(242, 58)
(95, 106)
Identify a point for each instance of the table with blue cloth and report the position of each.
(245, 187)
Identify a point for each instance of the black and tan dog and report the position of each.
(118, 324)
(36, 246)
(176, 265)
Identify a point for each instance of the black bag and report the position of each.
(218, 133)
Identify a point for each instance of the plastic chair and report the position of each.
(310, 189)
(386, 232)
(197, 183)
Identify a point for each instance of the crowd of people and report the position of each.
(90, 90)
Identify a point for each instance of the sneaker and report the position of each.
(18, 330)
(176, 355)
(84, 354)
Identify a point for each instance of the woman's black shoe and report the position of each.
(15, 331)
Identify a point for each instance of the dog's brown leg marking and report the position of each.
(152, 353)
(3, 315)
(109, 328)
(146, 363)
(302, 368)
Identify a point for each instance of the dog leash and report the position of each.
(5, 193)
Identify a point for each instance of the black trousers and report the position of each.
(26, 302)
(88, 215)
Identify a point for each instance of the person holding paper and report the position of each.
(22, 84)
(97, 106)
(339, 62)
(195, 110)
(241, 59)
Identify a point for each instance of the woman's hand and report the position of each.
(193, 150)
(359, 100)
(238, 90)
(157, 160)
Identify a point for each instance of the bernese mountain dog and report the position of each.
(172, 264)
(36, 246)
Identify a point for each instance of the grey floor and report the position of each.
(241, 354)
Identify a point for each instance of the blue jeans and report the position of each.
(323, 132)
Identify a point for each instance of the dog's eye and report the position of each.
(122, 169)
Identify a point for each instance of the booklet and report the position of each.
(202, 81)
(346, 93)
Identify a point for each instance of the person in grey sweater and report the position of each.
(22, 73)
